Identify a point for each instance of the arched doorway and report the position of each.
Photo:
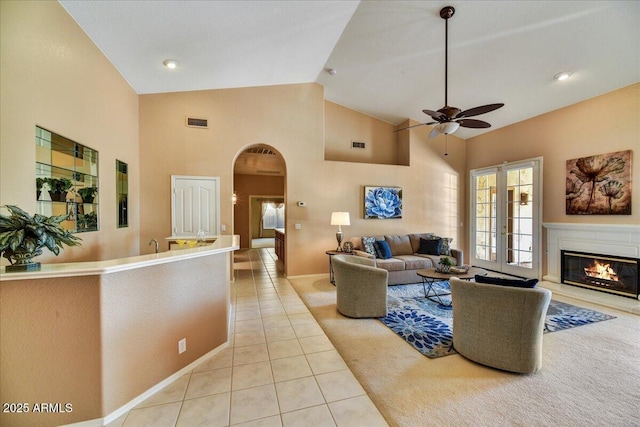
(259, 189)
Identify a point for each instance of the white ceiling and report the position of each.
(389, 55)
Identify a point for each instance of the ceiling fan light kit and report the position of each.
(448, 119)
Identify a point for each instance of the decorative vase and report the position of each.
(22, 261)
(443, 268)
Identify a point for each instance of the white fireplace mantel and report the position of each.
(605, 239)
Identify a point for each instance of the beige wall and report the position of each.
(290, 119)
(343, 125)
(600, 125)
(146, 311)
(52, 75)
(50, 348)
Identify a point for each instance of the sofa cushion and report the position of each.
(383, 250)
(430, 246)
(517, 283)
(368, 245)
(391, 264)
(413, 262)
(435, 259)
(445, 249)
(415, 240)
(400, 245)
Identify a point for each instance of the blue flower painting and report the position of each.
(382, 202)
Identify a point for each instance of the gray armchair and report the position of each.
(499, 326)
(361, 287)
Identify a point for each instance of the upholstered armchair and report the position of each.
(499, 326)
(361, 287)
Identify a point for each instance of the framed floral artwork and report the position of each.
(382, 202)
(599, 185)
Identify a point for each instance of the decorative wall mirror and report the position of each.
(67, 181)
(122, 193)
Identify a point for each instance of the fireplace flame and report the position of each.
(601, 271)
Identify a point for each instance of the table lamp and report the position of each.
(339, 219)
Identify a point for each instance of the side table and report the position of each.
(331, 254)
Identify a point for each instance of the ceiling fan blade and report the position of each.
(472, 123)
(415, 126)
(436, 115)
(479, 110)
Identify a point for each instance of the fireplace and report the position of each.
(607, 273)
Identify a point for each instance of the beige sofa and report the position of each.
(406, 258)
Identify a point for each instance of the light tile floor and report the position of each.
(280, 369)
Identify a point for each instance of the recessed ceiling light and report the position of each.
(170, 63)
(562, 76)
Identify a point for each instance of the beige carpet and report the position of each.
(590, 374)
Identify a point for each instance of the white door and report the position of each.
(195, 205)
(506, 207)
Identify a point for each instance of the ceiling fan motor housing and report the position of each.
(450, 112)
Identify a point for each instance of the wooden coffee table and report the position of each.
(429, 276)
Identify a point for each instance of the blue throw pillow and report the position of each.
(516, 283)
(383, 249)
(430, 247)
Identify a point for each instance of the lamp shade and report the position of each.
(340, 218)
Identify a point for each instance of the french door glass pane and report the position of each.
(519, 225)
(485, 243)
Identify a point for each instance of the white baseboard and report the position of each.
(145, 395)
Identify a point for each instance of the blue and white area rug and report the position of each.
(427, 325)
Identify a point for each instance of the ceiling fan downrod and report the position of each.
(446, 13)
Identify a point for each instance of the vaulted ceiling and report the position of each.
(388, 55)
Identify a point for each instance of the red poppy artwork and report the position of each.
(599, 185)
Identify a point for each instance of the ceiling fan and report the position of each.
(448, 119)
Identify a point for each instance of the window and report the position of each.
(272, 215)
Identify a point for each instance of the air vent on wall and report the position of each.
(193, 122)
(356, 144)
(268, 172)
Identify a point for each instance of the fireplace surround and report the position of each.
(616, 240)
(608, 273)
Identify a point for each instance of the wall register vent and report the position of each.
(193, 122)
(356, 144)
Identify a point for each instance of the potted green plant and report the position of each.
(22, 237)
(88, 194)
(58, 188)
(445, 264)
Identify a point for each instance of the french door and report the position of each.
(506, 207)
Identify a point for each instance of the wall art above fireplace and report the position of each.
(599, 185)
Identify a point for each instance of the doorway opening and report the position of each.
(259, 194)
